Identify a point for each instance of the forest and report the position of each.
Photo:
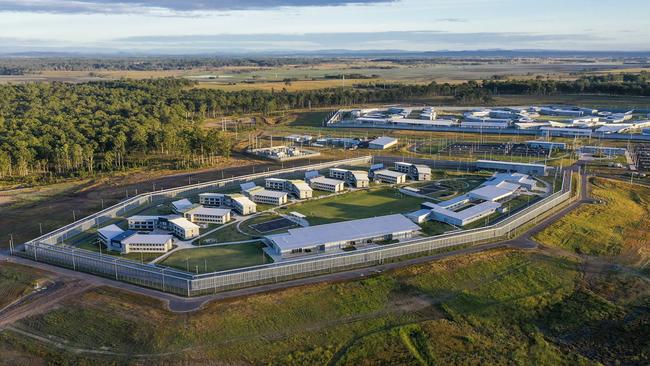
(52, 130)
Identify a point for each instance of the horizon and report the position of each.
(209, 27)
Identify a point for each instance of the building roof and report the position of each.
(389, 173)
(301, 185)
(247, 186)
(384, 140)
(183, 222)
(419, 213)
(509, 163)
(182, 205)
(243, 200)
(143, 217)
(325, 180)
(343, 231)
(500, 179)
(423, 168)
(275, 180)
(470, 212)
(201, 210)
(269, 193)
(110, 231)
(297, 214)
(359, 174)
(493, 193)
(137, 238)
(211, 195)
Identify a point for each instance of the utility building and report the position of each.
(382, 143)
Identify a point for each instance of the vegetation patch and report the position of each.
(615, 227)
(217, 258)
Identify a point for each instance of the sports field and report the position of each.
(217, 258)
(357, 205)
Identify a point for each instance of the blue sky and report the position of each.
(178, 26)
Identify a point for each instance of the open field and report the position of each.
(616, 228)
(357, 205)
(15, 281)
(217, 258)
(501, 307)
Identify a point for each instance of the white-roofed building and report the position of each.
(142, 222)
(242, 204)
(298, 188)
(106, 234)
(414, 171)
(382, 143)
(182, 205)
(208, 215)
(389, 176)
(466, 216)
(146, 243)
(419, 216)
(212, 199)
(327, 184)
(525, 168)
(493, 192)
(179, 226)
(354, 178)
(324, 238)
(266, 196)
(522, 180)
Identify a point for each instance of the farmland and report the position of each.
(15, 281)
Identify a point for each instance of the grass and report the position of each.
(500, 307)
(615, 228)
(309, 119)
(16, 281)
(357, 205)
(217, 258)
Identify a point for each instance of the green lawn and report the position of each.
(217, 258)
(357, 205)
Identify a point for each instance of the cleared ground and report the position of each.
(217, 258)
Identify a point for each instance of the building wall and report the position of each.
(269, 200)
(147, 247)
(142, 224)
(327, 187)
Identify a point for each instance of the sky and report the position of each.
(222, 26)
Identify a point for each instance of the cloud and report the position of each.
(162, 6)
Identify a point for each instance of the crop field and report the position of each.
(500, 307)
(617, 227)
(357, 205)
(217, 258)
(15, 281)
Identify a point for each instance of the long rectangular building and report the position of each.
(525, 168)
(327, 184)
(323, 238)
(389, 176)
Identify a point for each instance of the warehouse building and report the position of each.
(208, 215)
(389, 176)
(327, 184)
(382, 143)
(414, 171)
(129, 241)
(524, 168)
(336, 236)
(354, 178)
(240, 203)
(298, 188)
